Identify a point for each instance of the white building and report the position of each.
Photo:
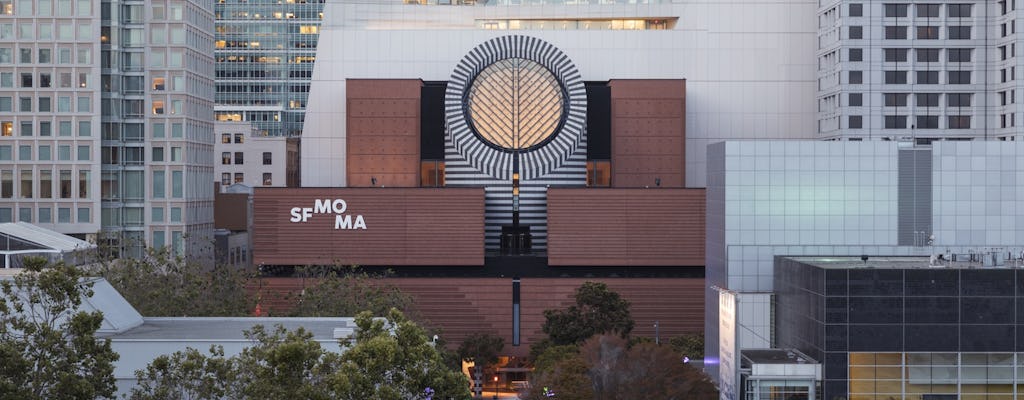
(749, 67)
(255, 160)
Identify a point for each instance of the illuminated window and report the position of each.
(6, 128)
(599, 173)
(158, 107)
(158, 84)
(225, 138)
(267, 179)
(431, 173)
(309, 29)
(239, 177)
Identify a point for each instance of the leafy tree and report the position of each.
(282, 364)
(161, 284)
(184, 375)
(481, 348)
(347, 292)
(392, 359)
(690, 345)
(597, 310)
(48, 346)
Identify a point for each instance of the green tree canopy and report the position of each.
(597, 310)
(482, 348)
(48, 346)
(392, 359)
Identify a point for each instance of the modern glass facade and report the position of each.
(157, 124)
(265, 51)
(898, 328)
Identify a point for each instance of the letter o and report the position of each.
(339, 203)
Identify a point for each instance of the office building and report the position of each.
(265, 52)
(245, 156)
(923, 70)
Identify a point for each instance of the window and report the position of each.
(239, 177)
(158, 107)
(959, 77)
(856, 10)
(84, 215)
(267, 181)
(958, 55)
(84, 179)
(24, 153)
(84, 128)
(65, 185)
(958, 99)
(45, 104)
(225, 158)
(6, 128)
(267, 158)
(895, 122)
(176, 130)
(856, 32)
(225, 179)
(46, 184)
(25, 56)
(895, 55)
(64, 128)
(158, 130)
(44, 152)
(45, 215)
(895, 32)
(927, 77)
(856, 77)
(238, 138)
(25, 214)
(927, 10)
(958, 10)
(927, 99)
(6, 153)
(45, 128)
(225, 138)
(64, 153)
(84, 104)
(159, 185)
(959, 122)
(927, 55)
(175, 154)
(239, 157)
(856, 54)
(6, 79)
(63, 104)
(927, 32)
(927, 122)
(6, 184)
(158, 154)
(175, 214)
(895, 10)
(176, 184)
(157, 214)
(83, 153)
(45, 80)
(895, 77)
(25, 104)
(895, 99)
(26, 184)
(959, 32)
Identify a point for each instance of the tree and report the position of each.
(597, 310)
(689, 345)
(392, 359)
(481, 348)
(184, 375)
(347, 292)
(282, 364)
(48, 346)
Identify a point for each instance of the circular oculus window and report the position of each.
(515, 104)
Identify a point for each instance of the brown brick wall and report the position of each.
(383, 132)
(648, 132)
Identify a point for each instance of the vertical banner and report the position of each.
(728, 351)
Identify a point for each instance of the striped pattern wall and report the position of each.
(470, 162)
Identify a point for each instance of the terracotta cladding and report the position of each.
(626, 227)
(458, 307)
(404, 226)
(648, 132)
(383, 132)
(230, 211)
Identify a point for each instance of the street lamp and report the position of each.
(495, 387)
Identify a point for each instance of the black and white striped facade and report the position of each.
(561, 161)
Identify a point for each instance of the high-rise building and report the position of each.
(49, 114)
(265, 52)
(157, 124)
(922, 71)
(107, 119)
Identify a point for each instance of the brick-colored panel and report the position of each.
(231, 211)
(626, 227)
(458, 307)
(648, 132)
(404, 226)
(383, 132)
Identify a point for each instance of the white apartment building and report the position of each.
(922, 71)
(49, 114)
(257, 161)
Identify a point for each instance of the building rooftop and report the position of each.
(221, 329)
(775, 356)
(993, 259)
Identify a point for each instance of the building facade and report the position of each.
(253, 159)
(50, 115)
(923, 71)
(265, 52)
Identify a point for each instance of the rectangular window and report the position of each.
(855, 122)
(895, 99)
(175, 154)
(84, 104)
(927, 122)
(25, 214)
(25, 56)
(239, 177)
(6, 128)
(959, 77)
(44, 153)
(63, 215)
(65, 184)
(64, 128)
(6, 184)
(895, 32)
(63, 104)
(225, 138)
(856, 54)
(158, 130)
(225, 158)
(158, 154)
(44, 104)
(159, 185)
(895, 55)
(267, 158)
(45, 215)
(927, 55)
(46, 184)
(958, 55)
(84, 180)
(6, 104)
(958, 10)
(856, 10)
(176, 239)
(177, 130)
(175, 214)
(855, 99)
(84, 128)
(959, 32)
(895, 77)
(856, 32)
(5, 214)
(927, 99)
(928, 77)
(84, 153)
(6, 153)
(927, 32)
(26, 184)
(84, 216)
(225, 179)
(895, 10)
(239, 158)
(239, 138)
(959, 122)
(157, 214)
(25, 104)
(176, 184)
(267, 179)
(158, 107)
(958, 99)
(24, 153)
(64, 152)
(895, 122)
(856, 77)
(45, 128)
(927, 10)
